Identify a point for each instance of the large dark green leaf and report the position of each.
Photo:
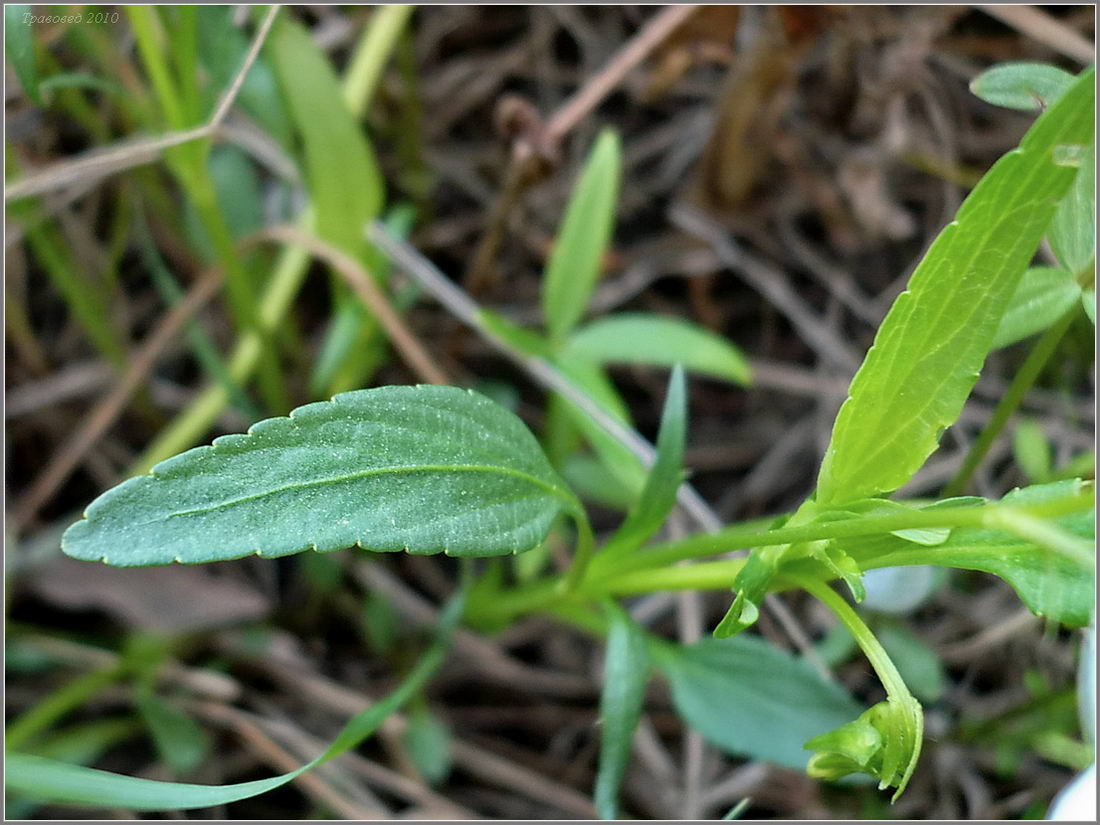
(422, 469)
(752, 699)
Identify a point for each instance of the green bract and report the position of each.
(421, 469)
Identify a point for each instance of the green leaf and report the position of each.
(752, 699)
(179, 740)
(930, 348)
(429, 742)
(19, 45)
(222, 50)
(424, 469)
(626, 671)
(51, 781)
(1072, 232)
(659, 494)
(1088, 301)
(1047, 582)
(1024, 86)
(639, 338)
(1032, 451)
(1042, 297)
(574, 264)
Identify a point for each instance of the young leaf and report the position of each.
(1072, 232)
(638, 338)
(574, 264)
(659, 494)
(626, 671)
(1024, 86)
(752, 699)
(429, 742)
(930, 348)
(1048, 583)
(422, 469)
(345, 184)
(19, 45)
(1043, 296)
(50, 781)
(179, 740)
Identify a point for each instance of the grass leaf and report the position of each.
(626, 671)
(930, 348)
(574, 264)
(639, 338)
(422, 469)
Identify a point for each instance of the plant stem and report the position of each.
(738, 537)
(1013, 397)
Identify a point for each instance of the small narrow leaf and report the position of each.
(750, 698)
(638, 338)
(1024, 86)
(930, 348)
(429, 742)
(19, 45)
(626, 671)
(574, 264)
(659, 494)
(1043, 296)
(422, 469)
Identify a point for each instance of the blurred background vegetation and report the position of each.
(184, 257)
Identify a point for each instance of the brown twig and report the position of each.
(69, 455)
(543, 141)
(1041, 27)
(408, 345)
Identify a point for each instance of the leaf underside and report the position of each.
(421, 469)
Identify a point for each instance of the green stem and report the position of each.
(586, 544)
(876, 654)
(1013, 397)
(739, 537)
(371, 55)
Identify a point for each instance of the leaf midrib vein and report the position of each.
(377, 471)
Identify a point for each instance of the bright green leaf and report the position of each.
(1088, 301)
(19, 45)
(1042, 297)
(626, 671)
(1072, 232)
(423, 469)
(1021, 85)
(752, 699)
(638, 338)
(574, 264)
(930, 348)
(659, 494)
